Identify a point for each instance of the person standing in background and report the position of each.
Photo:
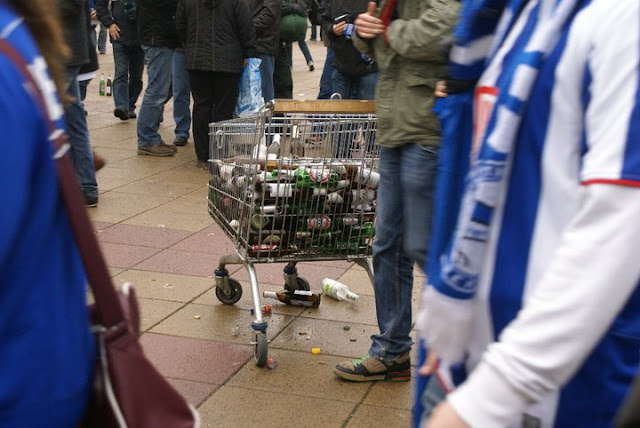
(218, 35)
(128, 57)
(48, 350)
(88, 71)
(75, 24)
(412, 53)
(266, 19)
(313, 12)
(355, 74)
(181, 97)
(159, 39)
(282, 78)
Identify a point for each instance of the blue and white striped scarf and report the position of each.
(446, 312)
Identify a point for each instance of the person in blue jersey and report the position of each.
(46, 347)
(535, 316)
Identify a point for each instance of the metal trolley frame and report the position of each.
(294, 183)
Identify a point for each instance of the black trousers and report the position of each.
(214, 99)
(282, 79)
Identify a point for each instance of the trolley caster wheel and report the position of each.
(233, 296)
(303, 284)
(260, 350)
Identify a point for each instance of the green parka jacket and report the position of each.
(409, 66)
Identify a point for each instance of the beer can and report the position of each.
(349, 221)
(319, 175)
(320, 222)
(283, 190)
(367, 177)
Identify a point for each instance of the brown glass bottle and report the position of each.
(296, 297)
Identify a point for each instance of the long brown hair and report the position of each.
(43, 20)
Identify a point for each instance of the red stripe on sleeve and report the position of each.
(620, 182)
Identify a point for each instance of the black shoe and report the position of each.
(132, 114)
(311, 67)
(121, 113)
(90, 200)
(180, 141)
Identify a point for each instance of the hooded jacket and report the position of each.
(410, 62)
(217, 34)
(266, 19)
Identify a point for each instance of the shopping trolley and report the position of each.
(294, 183)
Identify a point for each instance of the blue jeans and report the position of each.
(266, 75)
(355, 88)
(305, 50)
(80, 152)
(127, 81)
(102, 39)
(403, 227)
(181, 95)
(326, 80)
(159, 64)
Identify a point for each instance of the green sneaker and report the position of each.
(368, 368)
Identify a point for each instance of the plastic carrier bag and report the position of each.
(250, 90)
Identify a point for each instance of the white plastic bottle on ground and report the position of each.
(337, 290)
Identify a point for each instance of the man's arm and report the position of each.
(104, 14)
(267, 16)
(428, 37)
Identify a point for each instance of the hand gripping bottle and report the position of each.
(337, 290)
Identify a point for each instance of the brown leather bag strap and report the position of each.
(107, 305)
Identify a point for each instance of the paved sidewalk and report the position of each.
(155, 231)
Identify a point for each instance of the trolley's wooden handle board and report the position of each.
(324, 106)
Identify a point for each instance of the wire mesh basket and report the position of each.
(297, 182)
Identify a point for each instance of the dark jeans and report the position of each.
(326, 80)
(305, 51)
(214, 99)
(403, 228)
(355, 88)
(181, 97)
(78, 132)
(159, 71)
(266, 75)
(102, 39)
(127, 82)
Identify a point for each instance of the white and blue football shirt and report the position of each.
(557, 317)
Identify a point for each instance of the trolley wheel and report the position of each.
(260, 351)
(233, 296)
(303, 284)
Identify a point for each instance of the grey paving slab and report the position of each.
(165, 286)
(231, 407)
(220, 323)
(302, 374)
